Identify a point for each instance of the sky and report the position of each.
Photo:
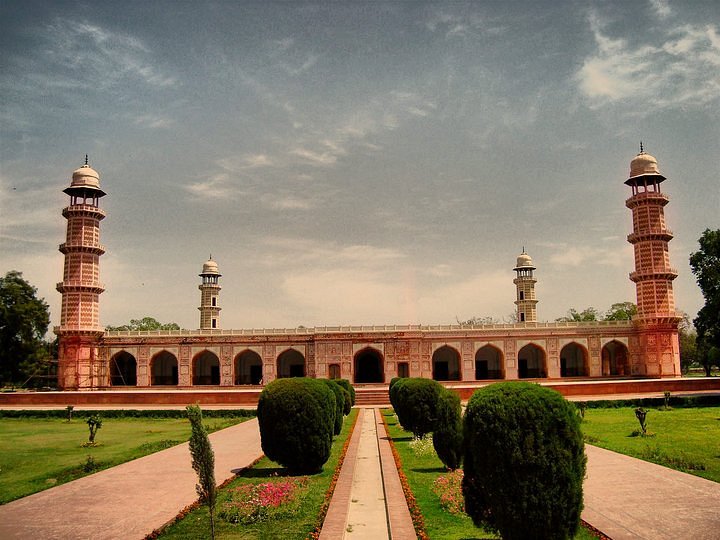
(356, 162)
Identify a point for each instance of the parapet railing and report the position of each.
(368, 329)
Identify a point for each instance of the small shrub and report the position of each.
(339, 404)
(94, 423)
(296, 418)
(448, 432)
(666, 397)
(393, 390)
(90, 465)
(524, 462)
(347, 401)
(421, 446)
(581, 408)
(69, 411)
(203, 462)
(254, 503)
(641, 415)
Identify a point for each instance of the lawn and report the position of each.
(422, 468)
(686, 439)
(39, 453)
(295, 519)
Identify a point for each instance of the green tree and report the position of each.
(24, 320)
(477, 321)
(573, 315)
(146, 323)
(705, 264)
(688, 344)
(621, 311)
(203, 462)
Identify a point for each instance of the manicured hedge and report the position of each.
(126, 413)
(393, 391)
(347, 385)
(524, 461)
(296, 418)
(448, 433)
(339, 404)
(416, 400)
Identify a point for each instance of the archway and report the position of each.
(446, 364)
(248, 368)
(290, 363)
(489, 363)
(123, 369)
(573, 361)
(615, 359)
(369, 366)
(206, 369)
(164, 369)
(531, 362)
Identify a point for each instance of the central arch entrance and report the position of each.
(369, 366)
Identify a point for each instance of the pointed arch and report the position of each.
(369, 366)
(164, 369)
(615, 359)
(532, 362)
(123, 369)
(489, 363)
(290, 363)
(248, 368)
(206, 369)
(446, 364)
(574, 361)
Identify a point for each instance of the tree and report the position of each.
(146, 323)
(203, 462)
(24, 320)
(573, 315)
(688, 345)
(621, 311)
(705, 264)
(477, 321)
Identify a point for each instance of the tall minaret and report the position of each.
(80, 330)
(525, 284)
(209, 292)
(653, 276)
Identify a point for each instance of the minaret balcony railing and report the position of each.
(83, 210)
(652, 233)
(643, 197)
(96, 249)
(79, 286)
(653, 273)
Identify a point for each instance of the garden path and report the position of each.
(627, 498)
(368, 501)
(130, 500)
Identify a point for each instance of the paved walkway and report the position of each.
(368, 501)
(131, 500)
(627, 498)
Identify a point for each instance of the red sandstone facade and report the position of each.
(647, 346)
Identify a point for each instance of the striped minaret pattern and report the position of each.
(80, 329)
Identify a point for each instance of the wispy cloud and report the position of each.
(453, 25)
(680, 69)
(661, 7)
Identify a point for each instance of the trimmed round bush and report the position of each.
(339, 404)
(296, 418)
(347, 401)
(393, 390)
(417, 404)
(524, 462)
(448, 433)
(347, 386)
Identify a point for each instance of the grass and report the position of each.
(421, 472)
(39, 453)
(297, 525)
(686, 439)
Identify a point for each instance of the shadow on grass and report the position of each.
(403, 439)
(430, 470)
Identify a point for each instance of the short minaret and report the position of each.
(653, 276)
(209, 292)
(525, 284)
(80, 331)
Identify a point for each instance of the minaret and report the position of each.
(209, 292)
(80, 330)
(525, 284)
(656, 316)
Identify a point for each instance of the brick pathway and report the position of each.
(130, 500)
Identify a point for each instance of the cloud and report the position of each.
(576, 256)
(452, 25)
(661, 7)
(680, 69)
(217, 186)
(153, 121)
